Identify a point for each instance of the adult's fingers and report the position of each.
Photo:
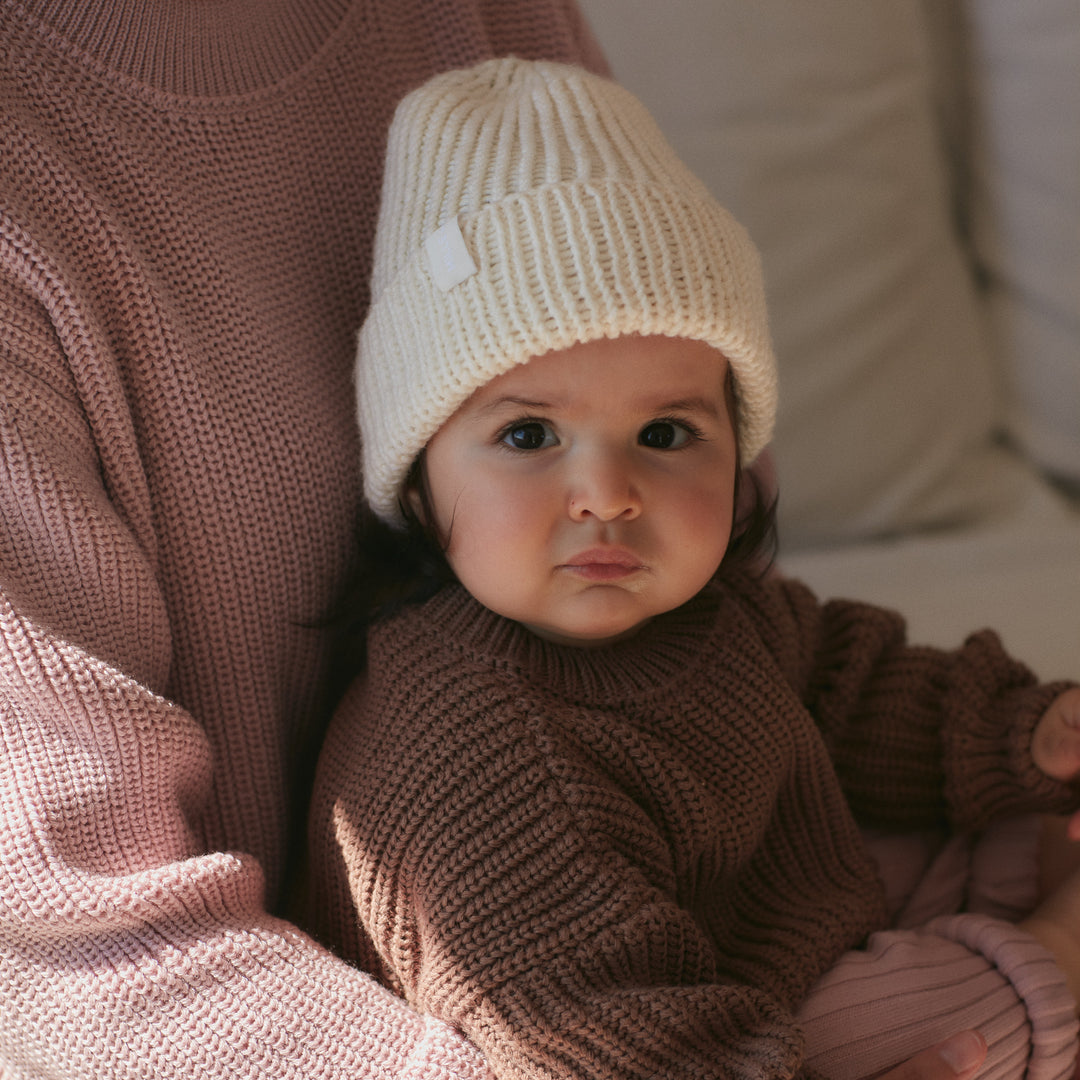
(957, 1058)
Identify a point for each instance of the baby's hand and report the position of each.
(1055, 743)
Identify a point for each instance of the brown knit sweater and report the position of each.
(187, 203)
(634, 861)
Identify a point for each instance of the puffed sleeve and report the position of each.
(919, 736)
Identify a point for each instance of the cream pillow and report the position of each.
(814, 124)
(1017, 122)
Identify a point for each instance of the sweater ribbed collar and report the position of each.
(193, 48)
(670, 647)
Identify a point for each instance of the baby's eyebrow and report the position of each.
(689, 405)
(515, 402)
(699, 404)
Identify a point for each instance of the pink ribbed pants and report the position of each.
(953, 959)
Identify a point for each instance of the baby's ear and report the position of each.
(416, 503)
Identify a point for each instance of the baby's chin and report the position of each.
(581, 639)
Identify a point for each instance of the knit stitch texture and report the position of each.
(634, 861)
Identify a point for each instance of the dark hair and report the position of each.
(754, 540)
(397, 568)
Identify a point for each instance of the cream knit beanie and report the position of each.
(528, 206)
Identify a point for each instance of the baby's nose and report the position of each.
(604, 488)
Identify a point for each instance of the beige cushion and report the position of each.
(1018, 124)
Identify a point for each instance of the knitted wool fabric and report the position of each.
(527, 207)
(188, 195)
(632, 862)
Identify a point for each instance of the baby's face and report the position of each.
(592, 488)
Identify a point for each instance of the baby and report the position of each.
(599, 798)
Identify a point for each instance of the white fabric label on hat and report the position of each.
(448, 257)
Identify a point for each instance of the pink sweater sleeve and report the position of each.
(126, 949)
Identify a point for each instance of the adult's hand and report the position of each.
(957, 1058)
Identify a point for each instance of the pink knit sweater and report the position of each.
(187, 196)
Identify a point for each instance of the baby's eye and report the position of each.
(529, 435)
(665, 435)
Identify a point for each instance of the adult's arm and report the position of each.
(127, 949)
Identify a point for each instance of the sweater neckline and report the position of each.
(668, 648)
(193, 50)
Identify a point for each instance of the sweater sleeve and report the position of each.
(918, 735)
(126, 949)
(511, 889)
